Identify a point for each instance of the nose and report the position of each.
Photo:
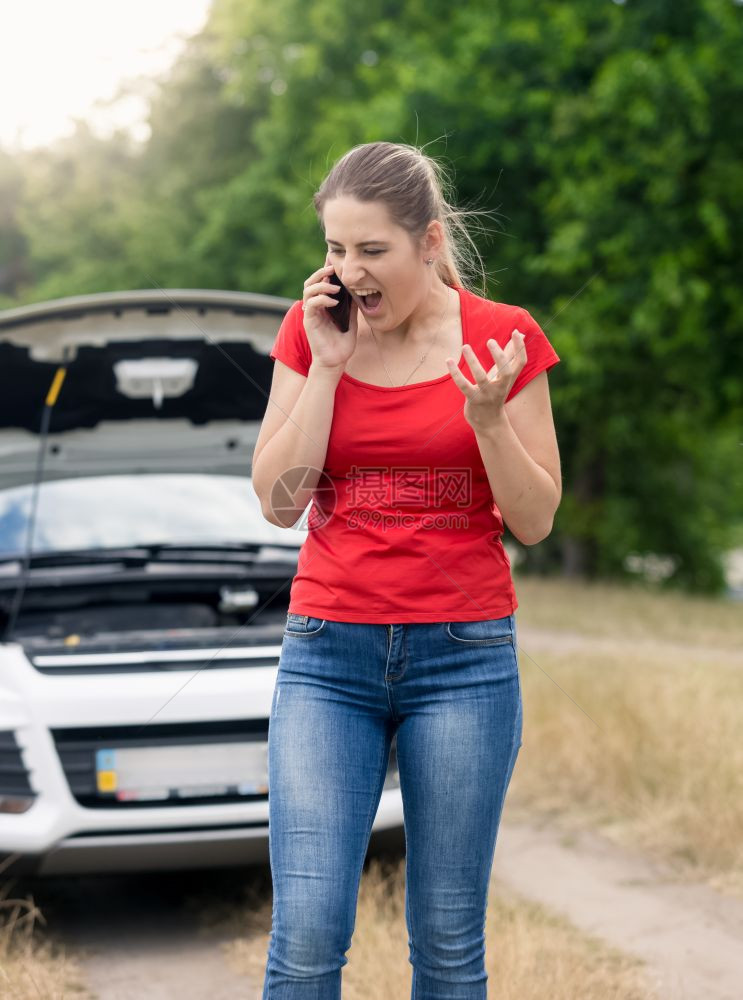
(351, 272)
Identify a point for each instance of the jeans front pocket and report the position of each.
(303, 626)
(489, 632)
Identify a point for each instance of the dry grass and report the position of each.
(636, 736)
(637, 611)
(32, 968)
(530, 953)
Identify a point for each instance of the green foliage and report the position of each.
(608, 138)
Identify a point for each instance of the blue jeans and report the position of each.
(452, 693)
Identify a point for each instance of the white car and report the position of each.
(143, 595)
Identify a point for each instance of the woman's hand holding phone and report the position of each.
(331, 348)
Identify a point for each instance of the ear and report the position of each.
(433, 238)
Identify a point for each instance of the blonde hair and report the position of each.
(415, 189)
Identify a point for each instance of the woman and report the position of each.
(401, 618)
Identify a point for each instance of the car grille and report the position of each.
(14, 779)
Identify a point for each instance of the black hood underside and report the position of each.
(231, 382)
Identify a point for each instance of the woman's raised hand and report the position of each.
(330, 347)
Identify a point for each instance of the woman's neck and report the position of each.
(421, 325)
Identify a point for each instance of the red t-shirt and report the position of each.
(403, 526)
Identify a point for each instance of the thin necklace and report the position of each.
(423, 358)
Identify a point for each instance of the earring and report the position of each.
(430, 260)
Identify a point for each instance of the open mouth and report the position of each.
(372, 302)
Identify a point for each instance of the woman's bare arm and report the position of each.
(293, 436)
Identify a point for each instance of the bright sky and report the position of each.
(59, 57)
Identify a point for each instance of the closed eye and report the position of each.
(371, 253)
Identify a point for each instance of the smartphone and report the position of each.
(340, 314)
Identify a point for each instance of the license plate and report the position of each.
(142, 773)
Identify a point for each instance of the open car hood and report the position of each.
(156, 380)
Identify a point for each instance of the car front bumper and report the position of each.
(59, 835)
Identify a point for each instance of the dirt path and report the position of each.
(689, 935)
(136, 936)
(533, 640)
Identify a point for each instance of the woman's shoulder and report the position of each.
(292, 346)
(486, 310)
(294, 317)
(488, 318)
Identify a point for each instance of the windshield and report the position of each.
(130, 510)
